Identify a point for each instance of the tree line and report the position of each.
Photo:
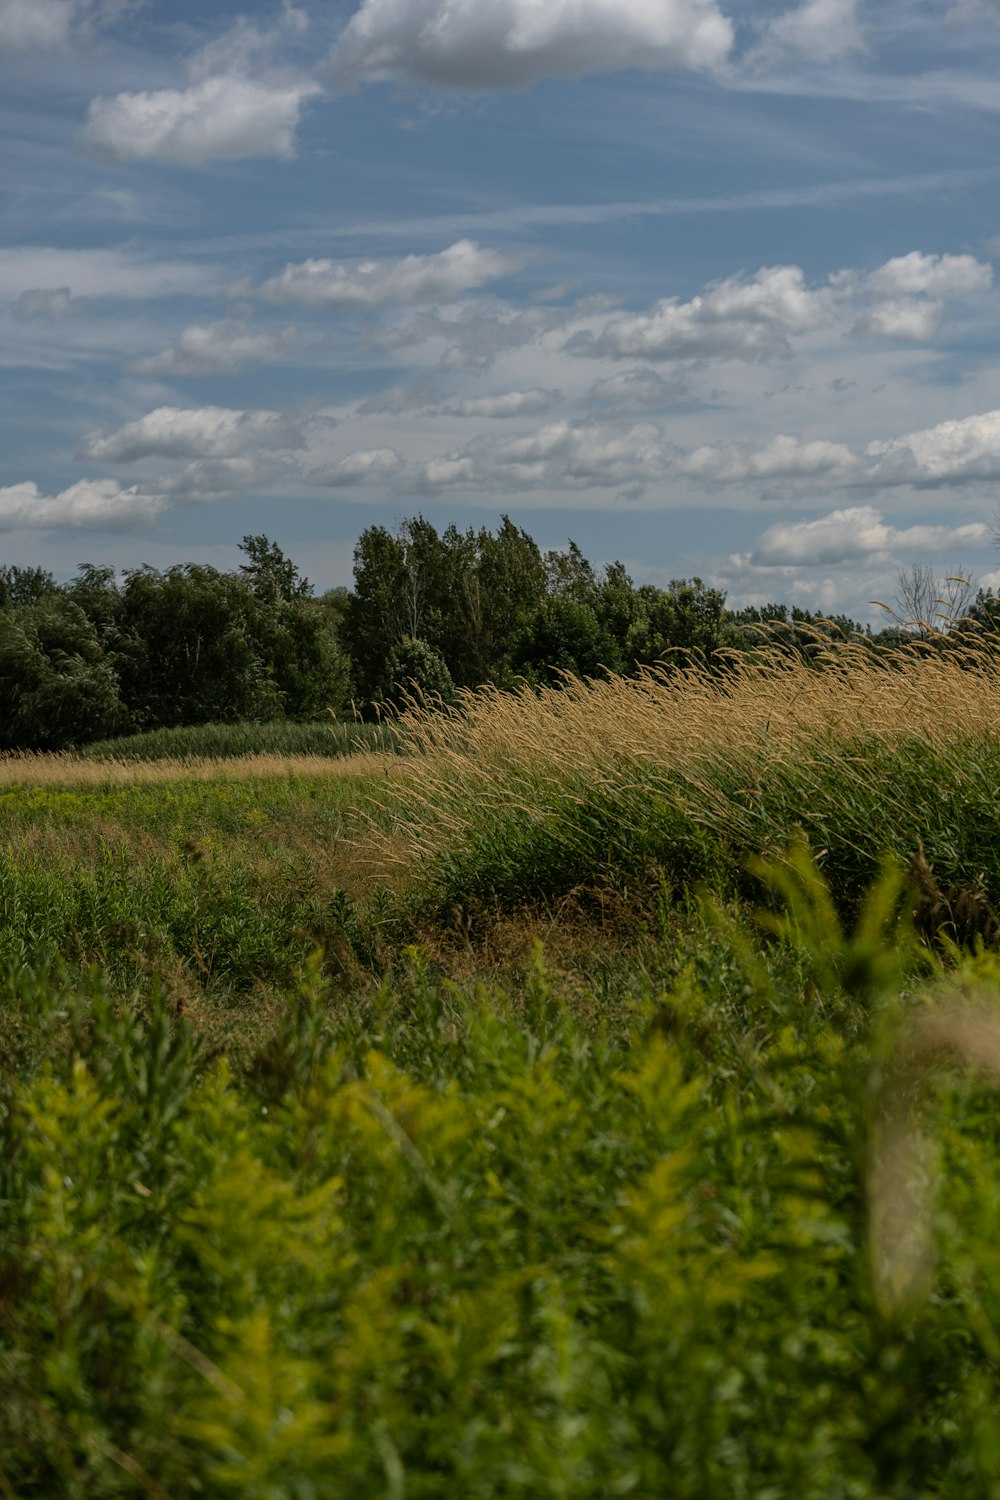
(106, 655)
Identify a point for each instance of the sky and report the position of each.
(707, 285)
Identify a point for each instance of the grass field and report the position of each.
(584, 1103)
(215, 742)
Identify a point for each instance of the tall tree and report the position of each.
(57, 688)
(270, 574)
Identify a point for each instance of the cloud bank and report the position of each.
(196, 432)
(462, 267)
(91, 503)
(491, 44)
(856, 534)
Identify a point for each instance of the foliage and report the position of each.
(445, 1240)
(56, 687)
(226, 741)
(415, 671)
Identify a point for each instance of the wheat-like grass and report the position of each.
(67, 770)
(533, 755)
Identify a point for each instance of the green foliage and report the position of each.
(56, 686)
(564, 635)
(414, 670)
(445, 1240)
(226, 741)
(218, 884)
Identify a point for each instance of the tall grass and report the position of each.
(215, 742)
(688, 774)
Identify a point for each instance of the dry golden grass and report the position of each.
(508, 752)
(67, 770)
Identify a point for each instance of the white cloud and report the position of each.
(196, 432)
(817, 30)
(783, 458)
(934, 275)
(961, 451)
(532, 403)
(209, 348)
(486, 44)
(209, 479)
(904, 319)
(40, 269)
(965, 449)
(755, 317)
(43, 303)
(743, 317)
(222, 118)
(453, 471)
(856, 534)
(89, 503)
(367, 466)
(579, 455)
(416, 278)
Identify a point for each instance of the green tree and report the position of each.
(401, 591)
(191, 648)
(271, 575)
(565, 635)
(416, 669)
(57, 688)
(20, 587)
(682, 622)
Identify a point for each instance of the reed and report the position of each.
(695, 771)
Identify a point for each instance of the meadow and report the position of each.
(591, 1096)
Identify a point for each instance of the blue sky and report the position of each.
(707, 286)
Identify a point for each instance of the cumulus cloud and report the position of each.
(367, 466)
(742, 317)
(580, 455)
(817, 31)
(756, 317)
(935, 275)
(908, 293)
(909, 320)
(196, 432)
(89, 503)
(783, 458)
(533, 403)
(223, 119)
(962, 450)
(238, 102)
(416, 278)
(488, 44)
(211, 348)
(856, 534)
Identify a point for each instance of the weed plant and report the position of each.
(467, 1246)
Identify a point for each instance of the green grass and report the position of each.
(316, 1186)
(226, 741)
(450, 1241)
